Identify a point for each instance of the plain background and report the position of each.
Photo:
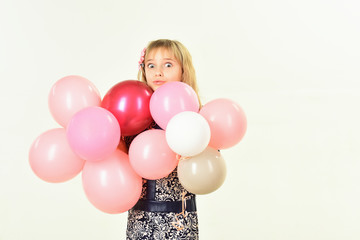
(292, 65)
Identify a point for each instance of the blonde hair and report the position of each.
(181, 54)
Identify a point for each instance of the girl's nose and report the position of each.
(158, 72)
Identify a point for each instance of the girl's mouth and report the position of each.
(158, 82)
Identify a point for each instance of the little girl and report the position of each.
(165, 209)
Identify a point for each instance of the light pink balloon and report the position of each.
(171, 99)
(69, 95)
(227, 122)
(150, 156)
(93, 133)
(52, 159)
(112, 185)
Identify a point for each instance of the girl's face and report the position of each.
(161, 67)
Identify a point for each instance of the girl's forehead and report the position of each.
(160, 52)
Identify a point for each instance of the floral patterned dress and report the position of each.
(180, 223)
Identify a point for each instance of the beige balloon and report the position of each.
(203, 173)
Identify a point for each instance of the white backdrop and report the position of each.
(292, 65)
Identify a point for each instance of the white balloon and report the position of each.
(188, 133)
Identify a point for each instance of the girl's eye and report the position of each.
(168, 65)
(150, 65)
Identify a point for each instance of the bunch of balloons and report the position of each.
(190, 132)
(89, 139)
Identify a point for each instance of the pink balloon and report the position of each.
(93, 133)
(150, 156)
(69, 95)
(171, 99)
(227, 122)
(52, 159)
(112, 185)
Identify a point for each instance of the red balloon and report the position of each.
(129, 102)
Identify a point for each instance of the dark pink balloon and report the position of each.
(227, 122)
(93, 133)
(111, 185)
(129, 102)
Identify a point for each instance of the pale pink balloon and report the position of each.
(52, 159)
(111, 185)
(150, 156)
(171, 99)
(69, 95)
(227, 122)
(93, 133)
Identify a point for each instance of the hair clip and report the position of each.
(142, 58)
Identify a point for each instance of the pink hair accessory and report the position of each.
(142, 58)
